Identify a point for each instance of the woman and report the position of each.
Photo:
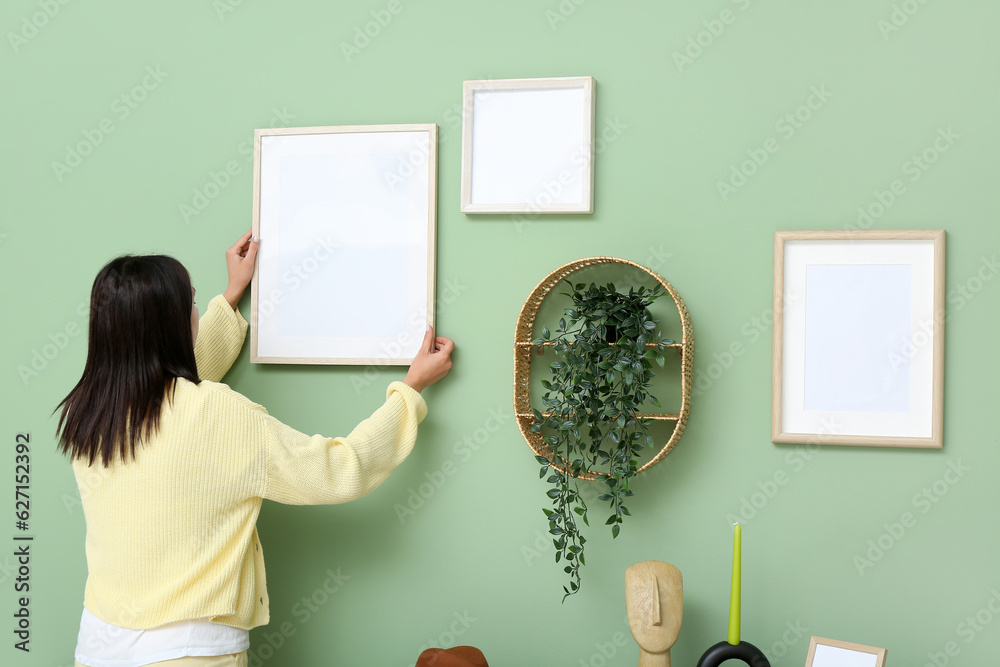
(172, 466)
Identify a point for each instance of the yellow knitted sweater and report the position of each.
(171, 536)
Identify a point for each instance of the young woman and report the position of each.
(172, 466)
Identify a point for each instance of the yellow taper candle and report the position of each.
(734, 596)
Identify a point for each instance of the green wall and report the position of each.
(472, 565)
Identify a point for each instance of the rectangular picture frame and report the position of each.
(858, 338)
(833, 653)
(528, 145)
(347, 219)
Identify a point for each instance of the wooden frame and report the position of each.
(346, 217)
(528, 146)
(858, 355)
(833, 653)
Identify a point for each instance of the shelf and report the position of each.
(522, 343)
(644, 415)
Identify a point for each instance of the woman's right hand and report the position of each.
(240, 260)
(433, 361)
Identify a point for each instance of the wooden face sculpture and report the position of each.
(654, 597)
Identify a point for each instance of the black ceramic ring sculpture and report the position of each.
(744, 652)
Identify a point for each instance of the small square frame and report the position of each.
(528, 145)
(834, 653)
(858, 352)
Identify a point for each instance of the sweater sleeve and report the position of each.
(315, 470)
(221, 332)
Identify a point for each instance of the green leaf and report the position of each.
(546, 333)
(615, 529)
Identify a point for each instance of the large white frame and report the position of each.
(835, 653)
(346, 216)
(528, 145)
(858, 355)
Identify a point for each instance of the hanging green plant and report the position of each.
(606, 344)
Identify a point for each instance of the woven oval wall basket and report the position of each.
(524, 349)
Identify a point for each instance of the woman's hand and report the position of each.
(432, 362)
(240, 262)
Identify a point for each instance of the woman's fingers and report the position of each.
(251, 253)
(428, 344)
(242, 244)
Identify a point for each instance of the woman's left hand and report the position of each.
(240, 263)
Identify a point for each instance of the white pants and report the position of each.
(231, 660)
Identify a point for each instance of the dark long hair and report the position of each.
(139, 342)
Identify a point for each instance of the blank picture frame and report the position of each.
(834, 653)
(858, 338)
(346, 216)
(528, 145)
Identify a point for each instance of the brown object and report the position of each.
(654, 599)
(523, 349)
(458, 656)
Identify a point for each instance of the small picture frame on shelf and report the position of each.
(528, 145)
(858, 356)
(834, 653)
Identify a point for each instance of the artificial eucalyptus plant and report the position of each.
(606, 343)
